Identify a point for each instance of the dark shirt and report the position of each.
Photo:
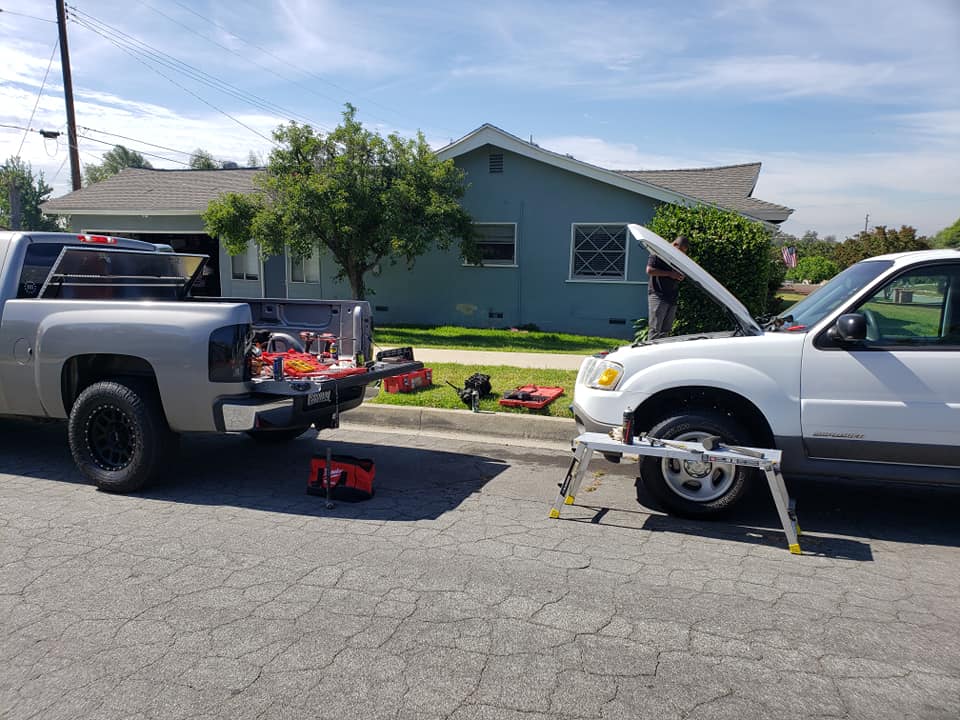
(667, 289)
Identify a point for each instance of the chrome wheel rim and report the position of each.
(698, 482)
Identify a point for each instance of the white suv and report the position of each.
(860, 379)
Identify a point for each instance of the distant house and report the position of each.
(552, 230)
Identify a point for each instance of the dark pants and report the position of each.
(660, 314)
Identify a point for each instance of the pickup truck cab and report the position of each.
(861, 379)
(103, 332)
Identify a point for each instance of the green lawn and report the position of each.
(502, 379)
(458, 338)
(907, 321)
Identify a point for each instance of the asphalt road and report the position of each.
(227, 592)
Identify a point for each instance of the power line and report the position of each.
(32, 17)
(185, 89)
(286, 62)
(39, 95)
(118, 38)
(141, 152)
(242, 57)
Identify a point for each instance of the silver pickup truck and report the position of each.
(103, 332)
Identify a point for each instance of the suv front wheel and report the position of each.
(696, 489)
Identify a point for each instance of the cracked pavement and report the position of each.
(227, 592)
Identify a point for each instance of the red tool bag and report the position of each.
(351, 478)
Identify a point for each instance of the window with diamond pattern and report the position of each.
(599, 252)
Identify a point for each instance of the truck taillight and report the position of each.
(228, 354)
(97, 239)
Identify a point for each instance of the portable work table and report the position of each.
(709, 451)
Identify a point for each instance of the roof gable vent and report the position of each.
(496, 162)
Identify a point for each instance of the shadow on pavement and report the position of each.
(411, 483)
(415, 483)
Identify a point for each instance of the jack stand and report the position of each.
(710, 451)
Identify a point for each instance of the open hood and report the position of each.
(682, 263)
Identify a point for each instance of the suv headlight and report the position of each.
(602, 375)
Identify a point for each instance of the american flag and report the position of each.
(789, 256)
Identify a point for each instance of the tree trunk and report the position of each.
(357, 285)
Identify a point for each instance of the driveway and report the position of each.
(227, 592)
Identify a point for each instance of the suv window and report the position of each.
(39, 259)
(918, 308)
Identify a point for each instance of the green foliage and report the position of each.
(878, 241)
(810, 244)
(814, 268)
(361, 197)
(200, 159)
(776, 274)
(462, 338)
(16, 175)
(641, 328)
(113, 161)
(502, 378)
(736, 251)
(948, 237)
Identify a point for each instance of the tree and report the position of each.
(879, 241)
(113, 161)
(353, 193)
(254, 160)
(19, 185)
(814, 268)
(200, 159)
(948, 237)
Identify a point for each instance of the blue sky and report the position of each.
(853, 107)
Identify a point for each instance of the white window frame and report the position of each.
(498, 264)
(314, 257)
(626, 256)
(249, 257)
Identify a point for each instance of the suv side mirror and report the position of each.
(849, 328)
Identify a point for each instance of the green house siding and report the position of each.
(544, 202)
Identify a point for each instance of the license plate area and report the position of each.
(318, 397)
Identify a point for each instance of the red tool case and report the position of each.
(531, 396)
(408, 382)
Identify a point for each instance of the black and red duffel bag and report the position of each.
(351, 478)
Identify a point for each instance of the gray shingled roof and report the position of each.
(139, 190)
(730, 186)
(150, 190)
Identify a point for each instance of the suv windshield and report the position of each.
(812, 309)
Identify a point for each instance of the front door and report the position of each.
(895, 397)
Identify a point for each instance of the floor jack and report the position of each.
(710, 450)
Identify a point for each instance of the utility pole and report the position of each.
(68, 96)
(15, 206)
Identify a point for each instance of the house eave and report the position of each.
(114, 211)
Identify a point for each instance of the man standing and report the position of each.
(662, 292)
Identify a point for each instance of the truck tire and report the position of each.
(118, 435)
(277, 437)
(696, 490)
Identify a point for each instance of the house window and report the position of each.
(497, 243)
(246, 265)
(599, 252)
(305, 269)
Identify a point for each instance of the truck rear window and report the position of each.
(82, 273)
(36, 267)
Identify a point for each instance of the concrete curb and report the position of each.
(506, 425)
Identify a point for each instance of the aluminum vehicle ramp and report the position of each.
(710, 450)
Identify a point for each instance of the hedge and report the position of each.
(736, 251)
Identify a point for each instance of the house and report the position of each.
(552, 230)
